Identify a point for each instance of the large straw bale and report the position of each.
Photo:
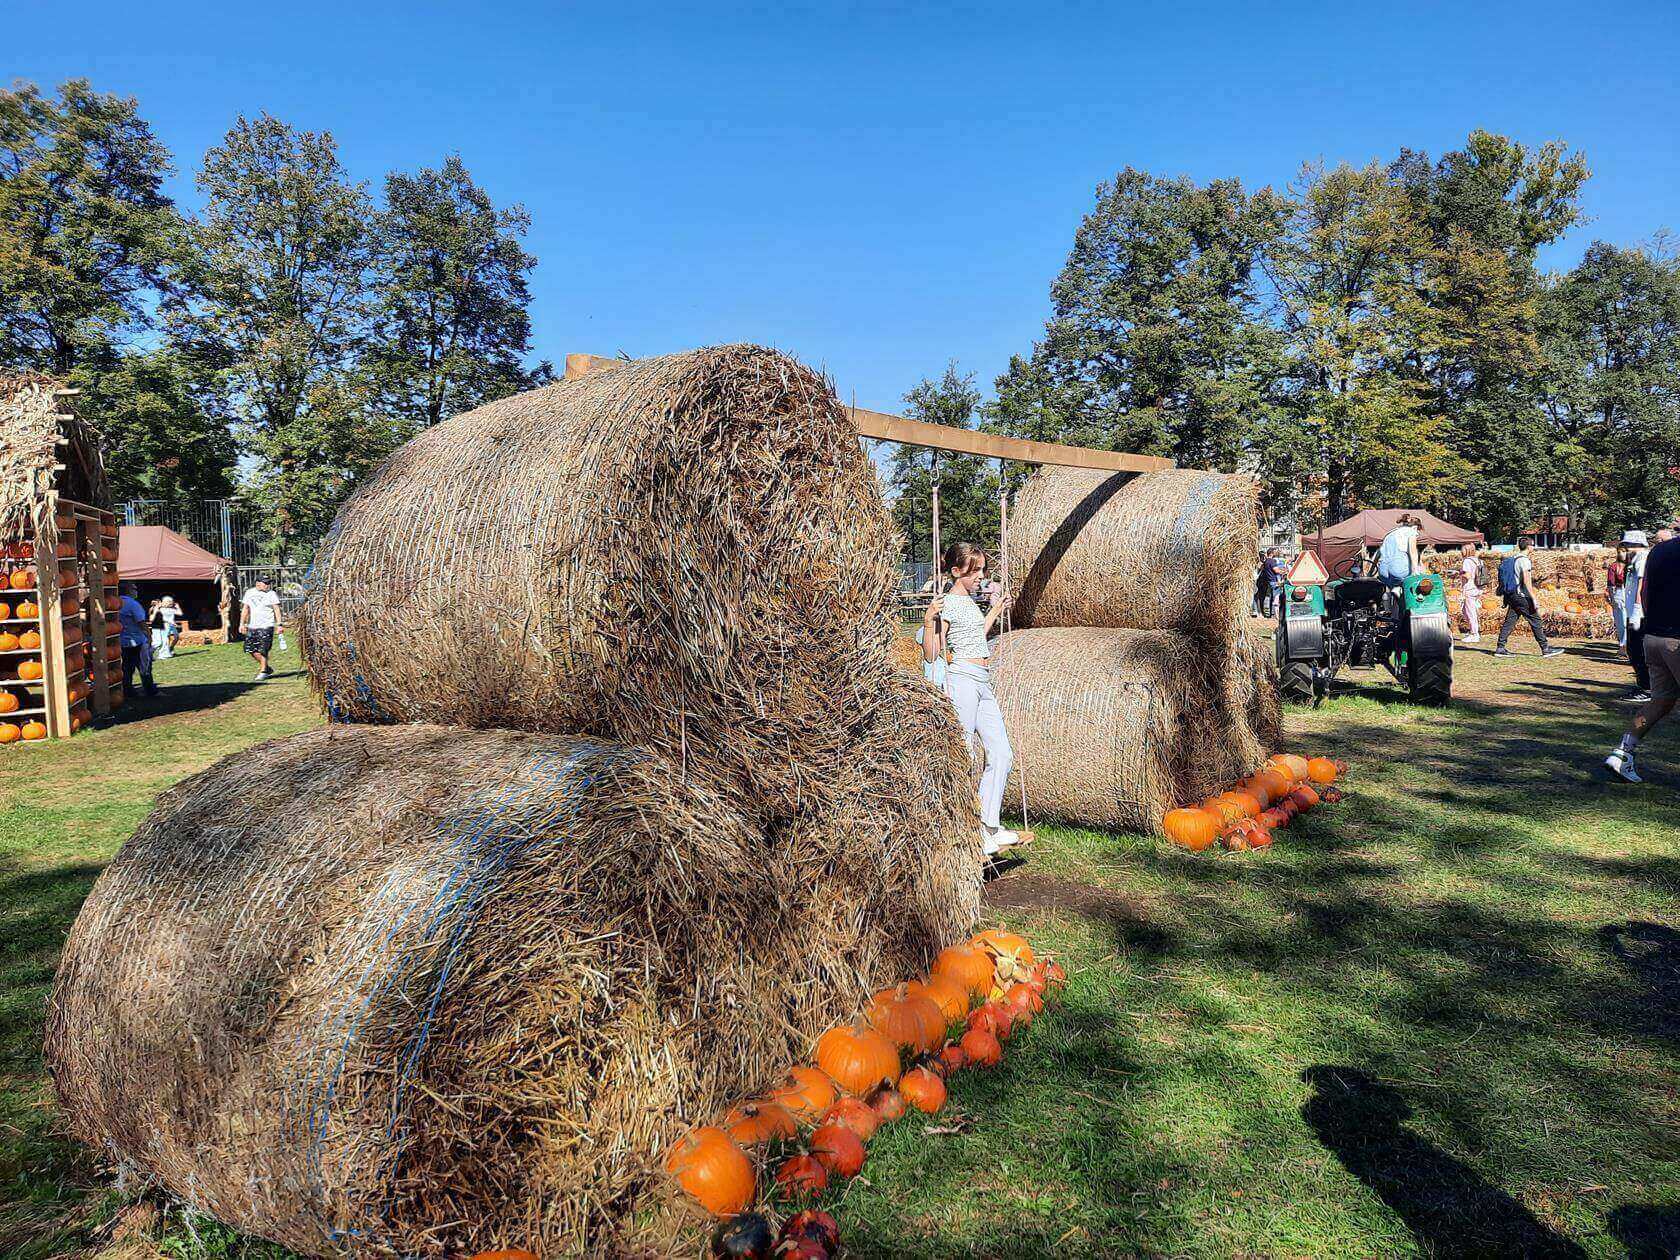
(1113, 727)
(1167, 550)
(688, 552)
(417, 990)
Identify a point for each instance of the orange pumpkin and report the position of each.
(1000, 943)
(856, 1115)
(857, 1059)
(802, 1177)
(750, 1123)
(837, 1149)
(29, 608)
(711, 1168)
(953, 1058)
(888, 1103)
(1259, 837)
(29, 639)
(1275, 781)
(1304, 797)
(1022, 1004)
(1195, 829)
(23, 579)
(982, 1047)
(9, 733)
(5, 611)
(8, 702)
(1247, 802)
(1292, 764)
(8, 641)
(1055, 975)
(911, 1021)
(804, 1091)
(949, 996)
(29, 671)
(1322, 770)
(966, 966)
(507, 1253)
(923, 1090)
(995, 1018)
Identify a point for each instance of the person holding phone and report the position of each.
(955, 629)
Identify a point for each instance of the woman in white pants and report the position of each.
(955, 629)
(1470, 603)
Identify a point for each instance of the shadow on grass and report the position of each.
(1450, 1209)
(1652, 953)
(1648, 1232)
(184, 698)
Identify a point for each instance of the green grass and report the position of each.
(1441, 1018)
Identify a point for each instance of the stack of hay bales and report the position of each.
(420, 984)
(1561, 579)
(1132, 684)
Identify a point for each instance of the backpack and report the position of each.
(1509, 582)
(1481, 574)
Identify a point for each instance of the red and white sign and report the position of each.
(1307, 570)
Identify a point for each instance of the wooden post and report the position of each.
(55, 682)
(938, 568)
(98, 645)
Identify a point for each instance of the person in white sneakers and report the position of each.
(1632, 616)
(955, 629)
(1475, 582)
(259, 618)
(1659, 607)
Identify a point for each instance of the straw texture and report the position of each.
(1113, 727)
(418, 990)
(688, 552)
(36, 437)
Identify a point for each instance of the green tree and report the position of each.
(451, 297)
(85, 229)
(968, 488)
(1155, 342)
(1611, 386)
(279, 306)
(162, 437)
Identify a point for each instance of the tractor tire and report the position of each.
(1430, 680)
(1295, 678)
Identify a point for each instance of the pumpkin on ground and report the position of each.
(802, 1177)
(967, 966)
(857, 1059)
(713, 1171)
(982, 1047)
(923, 1090)
(750, 1123)
(837, 1149)
(888, 1103)
(1195, 829)
(911, 1021)
(950, 997)
(856, 1115)
(1022, 1003)
(816, 1225)
(1292, 764)
(804, 1091)
(1322, 770)
(953, 1058)
(1304, 797)
(744, 1237)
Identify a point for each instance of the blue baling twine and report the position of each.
(499, 826)
(1186, 528)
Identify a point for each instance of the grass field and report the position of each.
(1441, 1018)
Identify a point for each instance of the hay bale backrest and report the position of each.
(688, 552)
(1168, 550)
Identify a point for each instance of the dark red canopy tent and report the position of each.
(161, 562)
(1338, 545)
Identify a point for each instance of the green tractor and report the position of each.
(1359, 623)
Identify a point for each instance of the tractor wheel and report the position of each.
(1295, 678)
(1430, 680)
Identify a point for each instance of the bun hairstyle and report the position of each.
(959, 555)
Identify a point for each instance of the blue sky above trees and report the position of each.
(873, 191)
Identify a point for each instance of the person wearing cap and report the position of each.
(1658, 600)
(1632, 614)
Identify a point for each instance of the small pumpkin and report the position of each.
(856, 1058)
(1275, 781)
(802, 1177)
(804, 1091)
(856, 1115)
(1194, 829)
(911, 1021)
(750, 1123)
(814, 1224)
(1022, 1004)
(838, 1149)
(888, 1103)
(1247, 802)
(802, 1249)
(923, 1090)
(1304, 797)
(1011, 957)
(953, 1058)
(8, 641)
(23, 579)
(1234, 840)
(1322, 770)
(713, 1171)
(1055, 974)
(982, 1047)
(1259, 837)
(9, 733)
(8, 702)
(6, 611)
(29, 608)
(506, 1253)
(1330, 795)
(1294, 765)
(29, 639)
(966, 966)
(744, 1237)
(950, 997)
(29, 671)
(34, 730)
(993, 1018)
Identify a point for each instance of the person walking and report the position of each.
(1615, 578)
(135, 636)
(259, 618)
(954, 628)
(1470, 600)
(166, 632)
(1516, 585)
(1658, 600)
(1638, 549)
(1397, 558)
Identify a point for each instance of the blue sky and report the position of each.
(876, 189)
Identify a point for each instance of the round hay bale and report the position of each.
(687, 552)
(421, 990)
(1167, 550)
(1113, 727)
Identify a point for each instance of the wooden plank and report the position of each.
(890, 428)
(95, 613)
(583, 364)
(54, 680)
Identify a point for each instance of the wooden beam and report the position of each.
(890, 428)
(583, 364)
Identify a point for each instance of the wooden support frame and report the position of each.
(885, 427)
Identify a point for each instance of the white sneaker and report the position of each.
(262, 676)
(1620, 764)
(994, 840)
(1472, 638)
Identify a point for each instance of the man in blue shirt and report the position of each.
(136, 640)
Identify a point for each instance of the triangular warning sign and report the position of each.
(1307, 570)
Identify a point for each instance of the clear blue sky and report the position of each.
(876, 189)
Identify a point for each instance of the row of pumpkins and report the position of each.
(28, 670)
(810, 1130)
(1245, 816)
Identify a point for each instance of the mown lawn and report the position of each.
(1442, 1018)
